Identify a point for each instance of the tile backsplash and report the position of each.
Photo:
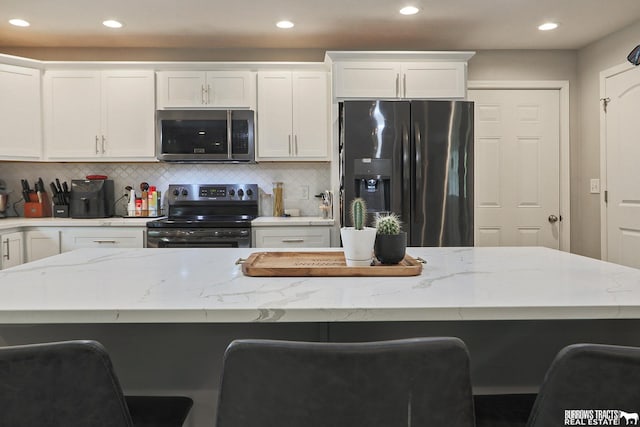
(298, 179)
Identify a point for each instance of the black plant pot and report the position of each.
(390, 248)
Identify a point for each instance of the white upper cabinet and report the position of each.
(292, 116)
(206, 89)
(400, 75)
(20, 117)
(99, 115)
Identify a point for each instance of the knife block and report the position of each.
(35, 209)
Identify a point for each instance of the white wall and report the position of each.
(605, 53)
(516, 65)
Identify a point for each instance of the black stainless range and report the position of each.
(206, 216)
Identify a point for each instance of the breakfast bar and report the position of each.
(166, 315)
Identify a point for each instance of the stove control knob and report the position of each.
(176, 192)
(240, 193)
(185, 192)
(249, 192)
(232, 192)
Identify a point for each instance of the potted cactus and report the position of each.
(391, 242)
(358, 240)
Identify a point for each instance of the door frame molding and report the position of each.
(604, 75)
(562, 86)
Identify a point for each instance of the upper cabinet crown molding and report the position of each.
(398, 56)
(399, 75)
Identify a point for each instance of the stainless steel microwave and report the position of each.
(205, 136)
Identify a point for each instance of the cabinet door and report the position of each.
(292, 237)
(101, 237)
(310, 115)
(231, 89)
(20, 118)
(181, 89)
(432, 80)
(41, 243)
(274, 113)
(72, 114)
(12, 249)
(128, 112)
(367, 80)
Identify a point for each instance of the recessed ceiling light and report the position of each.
(409, 10)
(285, 24)
(548, 26)
(112, 24)
(19, 22)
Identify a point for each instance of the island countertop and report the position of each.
(207, 286)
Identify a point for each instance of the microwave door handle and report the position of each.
(229, 142)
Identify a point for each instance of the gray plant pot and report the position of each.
(390, 248)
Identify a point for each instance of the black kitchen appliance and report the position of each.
(413, 158)
(205, 136)
(206, 216)
(92, 198)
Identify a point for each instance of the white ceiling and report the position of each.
(320, 24)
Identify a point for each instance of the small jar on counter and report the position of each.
(278, 199)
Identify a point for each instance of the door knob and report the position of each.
(553, 218)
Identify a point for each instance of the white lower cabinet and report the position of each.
(291, 237)
(11, 249)
(41, 243)
(102, 237)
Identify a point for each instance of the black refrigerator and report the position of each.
(413, 158)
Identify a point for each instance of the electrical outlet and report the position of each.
(594, 187)
(304, 192)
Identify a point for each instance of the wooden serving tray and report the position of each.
(275, 264)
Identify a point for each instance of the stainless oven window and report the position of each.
(199, 238)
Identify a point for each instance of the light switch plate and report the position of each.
(594, 187)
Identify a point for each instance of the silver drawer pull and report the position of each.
(292, 240)
(105, 241)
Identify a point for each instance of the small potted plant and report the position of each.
(358, 240)
(391, 242)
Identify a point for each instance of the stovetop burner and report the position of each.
(209, 205)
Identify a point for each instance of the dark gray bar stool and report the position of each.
(589, 377)
(73, 384)
(411, 382)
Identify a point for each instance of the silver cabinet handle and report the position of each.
(104, 140)
(202, 94)
(292, 240)
(296, 144)
(289, 144)
(208, 94)
(7, 255)
(105, 241)
(97, 150)
(397, 85)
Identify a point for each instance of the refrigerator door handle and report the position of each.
(418, 159)
(404, 85)
(406, 174)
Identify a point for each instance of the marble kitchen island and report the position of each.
(166, 315)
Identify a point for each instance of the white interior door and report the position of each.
(517, 167)
(622, 168)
